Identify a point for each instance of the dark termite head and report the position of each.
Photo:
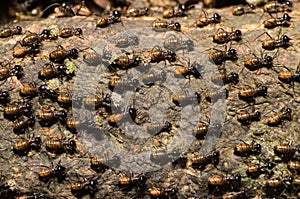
(177, 26)
(298, 148)
(74, 53)
(62, 68)
(78, 31)
(107, 99)
(46, 32)
(137, 60)
(172, 54)
(257, 114)
(235, 77)
(182, 7)
(270, 165)
(238, 178)
(37, 140)
(173, 191)
(289, 3)
(287, 17)
(257, 148)
(217, 17)
(252, 6)
(289, 111)
(116, 13)
(28, 106)
(232, 52)
(264, 90)
(19, 29)
(93, 183)
(72, 144)
(238, 33)
(4, 94)
(59, 169)
(17, 69)
(285, 38)
(269, 59)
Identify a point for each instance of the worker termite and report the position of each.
(67, 10)
(121, 84)
(81, 188)
(58, 171)
(162, 156)
(272, 44)
(175, 44)
(125, 62)
(276, 118)
(161, 192)
(188, 70)
(73, 124)
(184, 99)
(136, 12)
(163, 25)
(279, 21)
(244, 149)
(94, 59)
(125, 41)
(59, 55)
(213, 96)
(99, 164)
(10, 30)
(222, 36)
(276, 185)
(35, 38)
(6, 72)
(256, 169)
(150, 78)
(23, 146)
(275, 6)
(68, 32)
(205, 20)
(32, 195)
(93, 101)
(240, 10)
(60, 145)
(14, 110)
(177, 11)
(225, 78)
(157, 55)
(288, 76)
(109, 19)
(126, 181)
(201, 161)
(220, 56)
(245, 117)
(217, 183)
(234, 195)
(115, 118)
(249, 92)
(23, 123)
(49, 71)
(156, 128)
(49, 116)
(254, 62)
(22, 51)
(286, 150)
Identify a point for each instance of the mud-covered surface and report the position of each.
(129, 139)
